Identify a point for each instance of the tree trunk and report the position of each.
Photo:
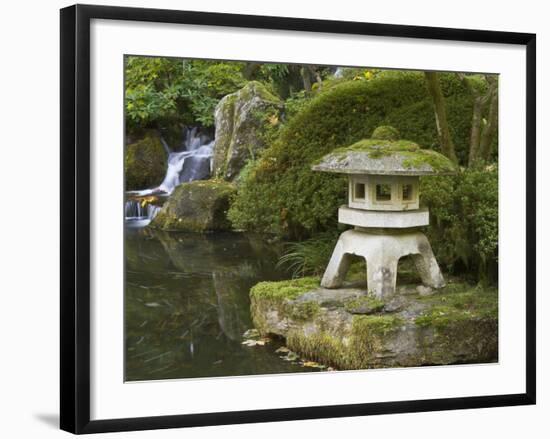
(475, 133)
(434, 87)
(306, 78)
(488, 134)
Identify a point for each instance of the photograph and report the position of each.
(295, 218)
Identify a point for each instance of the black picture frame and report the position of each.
(75, 217)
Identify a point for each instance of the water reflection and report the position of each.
(187, 305)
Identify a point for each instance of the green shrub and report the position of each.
(464, 221)
(282, 195)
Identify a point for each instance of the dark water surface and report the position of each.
(187, 305)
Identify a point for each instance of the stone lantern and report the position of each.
(383, 207)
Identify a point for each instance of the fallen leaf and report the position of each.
(253, 343)
(153, 304)
(282, 350)
(251, 333)
(291, 356)
(311, 364)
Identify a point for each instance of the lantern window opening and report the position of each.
(359, 191)
(407, 192)
(383, 192)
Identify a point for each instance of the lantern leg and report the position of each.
(338, 266)
(426, 264)
(382, 274)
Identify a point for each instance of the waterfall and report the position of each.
(339, 73)
(139, 213)
(192, 163)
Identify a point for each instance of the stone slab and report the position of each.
(456, 325)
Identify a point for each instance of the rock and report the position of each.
(197, 206)
(455, 325)
(241, 119)
(424, 290)
(145, 162)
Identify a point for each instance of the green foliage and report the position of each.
(464, 220)
(162, 92)
(296, 103)
(282, 195)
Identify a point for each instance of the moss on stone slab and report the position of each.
(286, 289)
(378, 148)
(367, 304)
(405, 155)
(438, 162)
(457, 303)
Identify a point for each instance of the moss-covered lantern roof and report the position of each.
(385, 157)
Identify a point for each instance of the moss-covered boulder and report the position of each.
(145, 162)
(348, 329)
(281, 194)
(198, 206)
(241, 120)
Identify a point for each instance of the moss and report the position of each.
(304, 310)
(286, 289)
(255, 88)
(364, 305)
(378, 148)
(438, 162)
(459, 302)
(386, 132)
(365, 327)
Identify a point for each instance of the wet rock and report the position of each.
(144, 162)
(241, 119)
(424, 291)
(197, 206)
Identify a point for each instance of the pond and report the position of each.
(187, 305)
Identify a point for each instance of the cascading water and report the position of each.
(193, 163)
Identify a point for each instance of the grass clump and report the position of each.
(309, 257)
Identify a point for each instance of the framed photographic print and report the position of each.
(304, 218)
